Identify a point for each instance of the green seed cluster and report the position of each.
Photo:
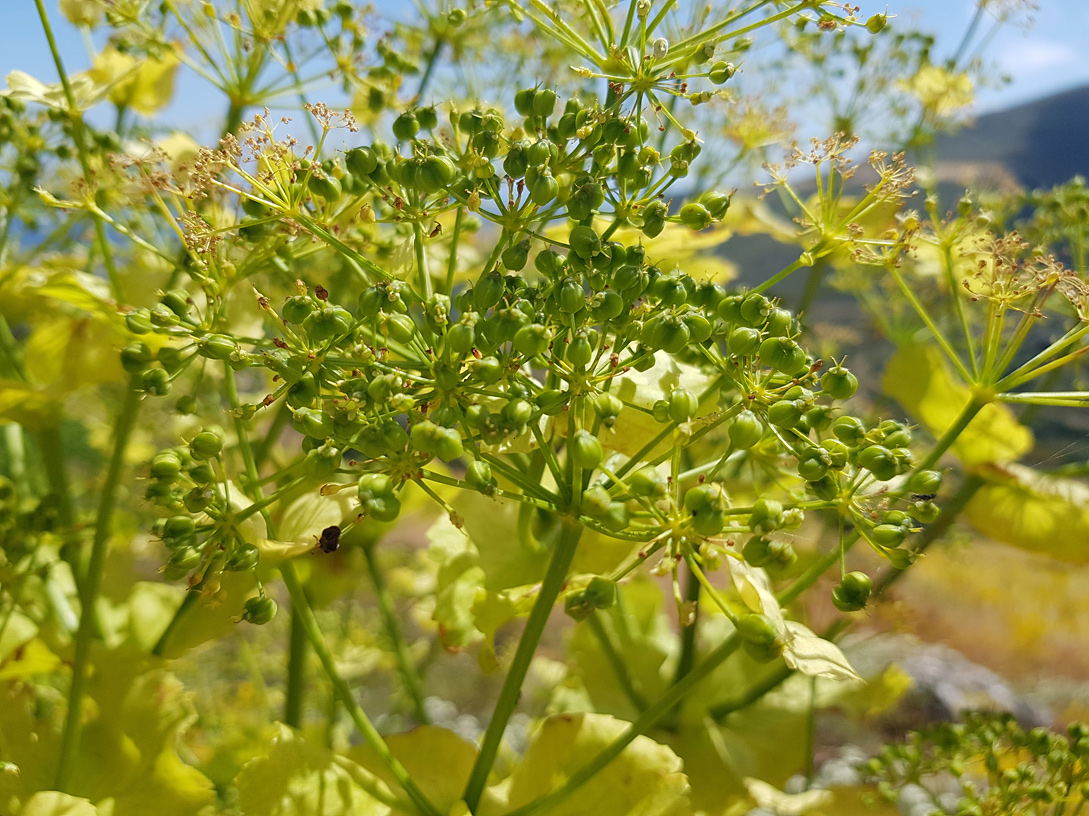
(380, 383)
(999, 766)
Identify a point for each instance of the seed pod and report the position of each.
(586, 450)
(839, 383)
(695, 216)
(745, 430)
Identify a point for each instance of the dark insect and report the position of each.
(329, 540)
(923, 496)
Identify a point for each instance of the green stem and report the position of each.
(512, 686)
(963, 420)
(615, 661)
(53, 458)
(688, 633)
(409, 674)
(665, 703)
(370, 734)
(429, 69)
(81, 149)
(452, 262)
(296, 672)
(92, 583)
(924, 315)
(188, 602)
(750, 695)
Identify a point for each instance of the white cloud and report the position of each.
(1025, 57)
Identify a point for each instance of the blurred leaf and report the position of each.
(86, 91)
(28, 660)
(645, 780)
(81, 12)
(919, 378)
(634, 428)
(54, 803)
(298, 778)
(642, 634)
(216, 613)
(128, 751)
(18, 630)
(438, 760)
(771, 798)
(815, 656)
(70, 353)
(1031, 510)
(878, 695)
(143, 84)
(27, 405)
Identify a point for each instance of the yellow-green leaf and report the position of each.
(1031, 510)
(645, 780)
(55, 803)
(919, 378)
(298, 778)
(771, 798)
(28, 660)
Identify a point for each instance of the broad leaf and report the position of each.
(1028, 509)
(55, 803)
(645, 780)
(298, 778)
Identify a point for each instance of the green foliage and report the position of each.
(480, 303)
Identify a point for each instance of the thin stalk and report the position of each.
(1028, 370)
(92, 583)
(924, 315)
(804, 261)
(615, 661)
(302, 610)
(296, 674)
(772, 680)
(429, 69)
(962, 317)
(81, 149)
(188, 602)
(421, 260)
(553, 582)
(452, 263)
(53, 459)
(409, 674)
(370, 734)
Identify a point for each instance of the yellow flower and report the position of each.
(145, 85)
(941, 92)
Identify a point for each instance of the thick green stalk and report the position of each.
(88, 596)
(296, 675)
(963, 420)
(301, 606)
(553, 582)
(409, 675)
(688, 633)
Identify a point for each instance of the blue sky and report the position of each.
(1043, 58)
